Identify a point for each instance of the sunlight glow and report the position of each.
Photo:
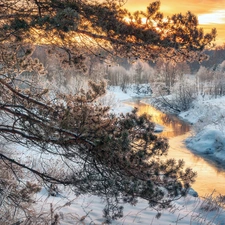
(216, 17)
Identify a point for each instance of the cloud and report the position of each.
(215, 17)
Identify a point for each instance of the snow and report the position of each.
(88, 210)
(85, 209)
(207, 117)
(158, 128)
(119, 97)
(141, 90)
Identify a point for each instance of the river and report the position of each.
(210, 178)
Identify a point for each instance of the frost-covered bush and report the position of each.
(141, 72)
(211, 81)
(141, 89)
(184, 93)
(213, 203)
(118, 76)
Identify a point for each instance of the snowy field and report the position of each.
(86, 209)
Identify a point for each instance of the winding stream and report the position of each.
(210, 177)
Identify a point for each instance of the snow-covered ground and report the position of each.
(86, 209)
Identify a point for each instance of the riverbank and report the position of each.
(207, 116)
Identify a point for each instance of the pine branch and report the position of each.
(43, 176)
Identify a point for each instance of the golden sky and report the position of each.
(210, 13)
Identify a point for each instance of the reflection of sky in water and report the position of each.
(172, 125)
(210, 178)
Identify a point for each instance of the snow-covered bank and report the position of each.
(115, 97)
(208, 119)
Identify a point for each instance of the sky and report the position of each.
(210, 13)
